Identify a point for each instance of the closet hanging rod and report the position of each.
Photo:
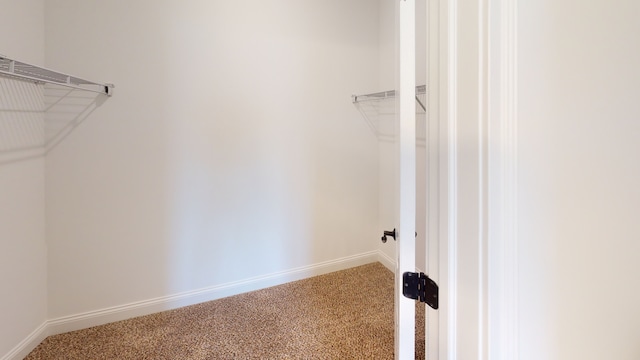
(22, 70)
(420, 90)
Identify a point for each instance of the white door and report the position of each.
(406, 164)
(406, 142)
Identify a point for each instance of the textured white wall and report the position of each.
(23, 280)
(230, 149)
(579, 198)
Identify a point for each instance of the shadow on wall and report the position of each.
(34, 118)
(21, 120)
(236, 208)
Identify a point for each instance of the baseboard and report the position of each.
(146, 307)
(127, 311)
(389, 263)
(386, 260)
(122, 312)
(28, 344)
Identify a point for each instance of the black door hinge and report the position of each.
(418, 286)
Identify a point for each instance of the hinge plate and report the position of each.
(418, 286)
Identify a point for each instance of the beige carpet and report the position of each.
(343, 315)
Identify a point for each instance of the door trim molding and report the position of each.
(503, 181)
(464, 246)
(448, 331)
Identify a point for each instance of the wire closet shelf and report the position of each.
(390, 94)
(21, 70)
(378, 110)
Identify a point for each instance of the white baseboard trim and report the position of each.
(387, 261)
(28, 344)
(140, 308)
(146, 307)
(390, 263)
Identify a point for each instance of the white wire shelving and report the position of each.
(40, 107)
(378, 110)
(18, 69)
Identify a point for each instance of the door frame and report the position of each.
(463, 332)
(475, 258)
(462, 325)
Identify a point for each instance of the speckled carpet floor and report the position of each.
(343, 315)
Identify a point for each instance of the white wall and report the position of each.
(387, 194)
(23, 298)
(579, 200)
(229, 150)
